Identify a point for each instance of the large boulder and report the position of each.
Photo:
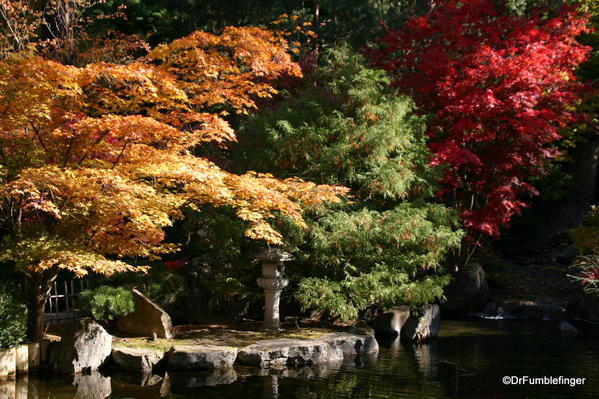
(289, 352)
(200, 357)
(351, 344)
(139, 360)
(84, 346)
(147, 319)
(391, 321)
(423, 326)
(469, 290)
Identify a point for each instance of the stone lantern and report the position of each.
(272, 281)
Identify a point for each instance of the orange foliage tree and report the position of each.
(96, 161)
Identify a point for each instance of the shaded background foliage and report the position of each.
(355, 21)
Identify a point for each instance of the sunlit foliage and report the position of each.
(97, 161)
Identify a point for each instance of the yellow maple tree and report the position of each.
(96, 161)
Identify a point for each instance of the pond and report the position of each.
(468, 360)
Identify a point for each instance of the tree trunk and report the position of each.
(38, 290)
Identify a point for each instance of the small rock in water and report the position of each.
(500, 312)
(422, 327)
(567, 329)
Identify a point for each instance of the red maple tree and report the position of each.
(499, 87)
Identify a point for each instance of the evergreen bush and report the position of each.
(13, 316)
(106, 303)
(386, 245)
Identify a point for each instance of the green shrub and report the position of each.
(165, 287)
(13, 316)
(107, 303)
(384, 247)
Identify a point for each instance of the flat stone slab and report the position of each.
(136, 359)
(351, 344)
(289, 352)
(200, 357)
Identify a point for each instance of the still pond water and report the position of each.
(469, 360)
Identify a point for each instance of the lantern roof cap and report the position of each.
(274, 255)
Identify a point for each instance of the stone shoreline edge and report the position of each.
(272, 353)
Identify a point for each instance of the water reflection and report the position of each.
(92, 386)
(197, 379)
(468, 361)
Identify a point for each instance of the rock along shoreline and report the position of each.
(270, 353)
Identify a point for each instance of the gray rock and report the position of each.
(84, 346)
(289, 352)
(468, 291)
(567, 329)
(92, 386)
(147, 319)
(391, 321)
(423, 327)
(136, 359)
(351, 344)
(200, 357)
